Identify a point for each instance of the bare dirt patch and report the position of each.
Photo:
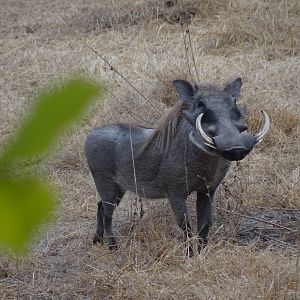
(265, 228)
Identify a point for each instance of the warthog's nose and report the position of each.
(234, 146)
(235, 153)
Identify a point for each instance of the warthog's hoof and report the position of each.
(97, 239)
(201, 245)
(113, 247)
(189, 251)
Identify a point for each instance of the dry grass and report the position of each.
(258, 40)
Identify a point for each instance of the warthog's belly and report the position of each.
(152, 189)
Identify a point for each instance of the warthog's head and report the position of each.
(217, 119)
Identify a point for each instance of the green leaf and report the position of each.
(24, 205)
(52, 112)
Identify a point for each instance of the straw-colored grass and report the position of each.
(41, 41)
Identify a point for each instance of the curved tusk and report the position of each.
(261, 134)
(201, 146)
(208, 141)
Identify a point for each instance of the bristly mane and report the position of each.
(165, 131)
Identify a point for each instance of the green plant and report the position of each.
(26, 201)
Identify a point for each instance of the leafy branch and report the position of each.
(26, 202)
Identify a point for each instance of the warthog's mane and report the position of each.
(163, 134)
(165, 131)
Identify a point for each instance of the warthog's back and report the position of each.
(110, 152)
(105, 145)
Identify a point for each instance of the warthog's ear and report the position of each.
(184, 89)
(234, 87)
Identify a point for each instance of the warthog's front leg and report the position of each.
(179, 207)
(204, 216)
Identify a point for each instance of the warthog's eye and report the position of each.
(201, 105)
(233, 101)
(241, 127)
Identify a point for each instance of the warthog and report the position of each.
(190, 150)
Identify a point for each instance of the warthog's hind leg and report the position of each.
(110, 194)
(98, 237)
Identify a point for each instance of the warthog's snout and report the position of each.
(235, 153)
(233, 142)
(235, 148)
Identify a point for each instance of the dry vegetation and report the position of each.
(247, 258)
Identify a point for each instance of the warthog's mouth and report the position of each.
(234, 152)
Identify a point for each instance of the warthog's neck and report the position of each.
(176, 168)
(200, 165)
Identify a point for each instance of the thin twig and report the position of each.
(186, 170)
(190, 42)
(186, 51)
(226, 189)
(134, 172)
(115, 70)
(152, 65)
(132, 114)
(122, 271)
(192, 52)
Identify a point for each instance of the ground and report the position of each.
(248, 257)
